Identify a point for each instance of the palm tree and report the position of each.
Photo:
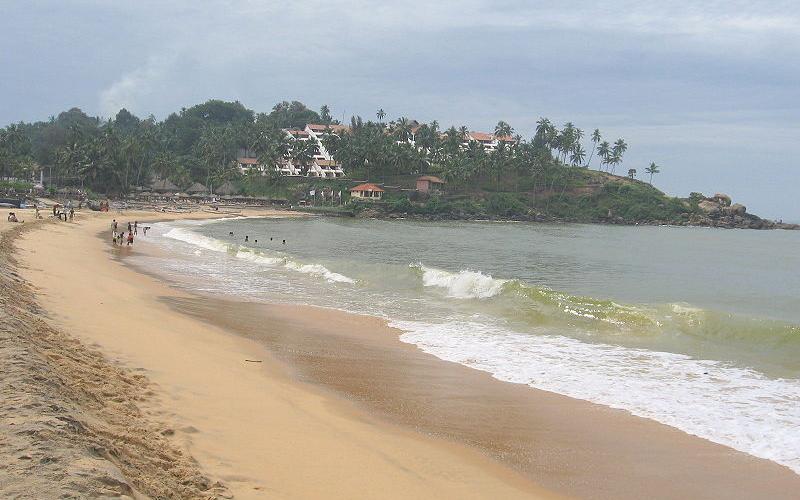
(652, 169)
(403, 128)
(381, 114)
(578, 155)
(604, 151)
(503, 129)
(618, 150)
(595, 139)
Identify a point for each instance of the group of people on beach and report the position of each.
(59, 214)
(118, 237)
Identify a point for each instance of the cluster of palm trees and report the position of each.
(202, 143)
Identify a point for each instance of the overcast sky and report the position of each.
(709, 90)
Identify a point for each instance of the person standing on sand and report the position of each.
(135, 227)
(130, 227)
(114, 226)
(71, 214)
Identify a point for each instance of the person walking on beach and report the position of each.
(114, 226)
(130, 238)
(71, 214)
(130, 227)
(135, 227)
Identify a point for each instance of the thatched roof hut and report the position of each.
(197, 188)
(163, 186)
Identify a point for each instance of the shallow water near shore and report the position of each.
(694, 328)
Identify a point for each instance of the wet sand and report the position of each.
(248, 425)
(566, 445)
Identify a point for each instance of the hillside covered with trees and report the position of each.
(558, 173)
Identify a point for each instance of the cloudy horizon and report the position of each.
(706, 91)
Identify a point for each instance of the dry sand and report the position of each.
(249, 425)
(71, 421)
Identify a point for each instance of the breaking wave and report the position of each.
(254, 255)
(733, 406)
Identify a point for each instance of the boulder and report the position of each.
(709, 207)
(737, 209)
(722, 198)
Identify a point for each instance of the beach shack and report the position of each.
(197, 189)
(429, 184)
(366, 191)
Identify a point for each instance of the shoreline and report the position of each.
(768, 224)
(358, 366)
(247, 424)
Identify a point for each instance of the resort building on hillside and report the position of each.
(367, 191)
(247, 164)
(490, 142)
(430, 184)
(322, 164)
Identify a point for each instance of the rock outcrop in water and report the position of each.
(719, 211)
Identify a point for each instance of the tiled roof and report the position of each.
(366, 187)
(431, 178)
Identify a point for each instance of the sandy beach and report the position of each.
(300, 402)
(249, 425)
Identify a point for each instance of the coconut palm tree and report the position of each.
(652, 169)
(503, 129)
(578, 155)
(618, 151)
(381, 114)
(596, 138)
(604, 151)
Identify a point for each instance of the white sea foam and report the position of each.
(187, 236)
(318, 270)
(244, 253)
(732, 406)
(463, 284)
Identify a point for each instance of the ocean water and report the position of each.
(695, 328)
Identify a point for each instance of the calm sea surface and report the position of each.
(695, 328)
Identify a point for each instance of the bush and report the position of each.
(505, 205)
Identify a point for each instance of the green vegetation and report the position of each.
(547, 176)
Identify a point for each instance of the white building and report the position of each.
(322, 165)
(490, 142)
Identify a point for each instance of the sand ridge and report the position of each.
(71, 423)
